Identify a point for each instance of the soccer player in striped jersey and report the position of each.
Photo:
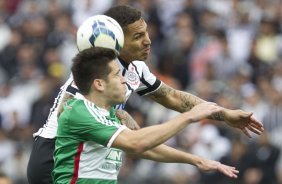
(136, 50)
(138, 79)
(90, 138)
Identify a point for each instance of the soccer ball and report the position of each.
(100, 31)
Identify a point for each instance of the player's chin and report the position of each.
(120, 99)
(144, 56)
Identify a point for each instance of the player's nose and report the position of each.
(147, 40)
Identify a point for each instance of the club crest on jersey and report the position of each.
(132, 78)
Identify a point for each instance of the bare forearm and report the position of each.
(174, 99)
(168, 154)
(188, 101)
(180, 101)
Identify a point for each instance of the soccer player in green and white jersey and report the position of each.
(90, 138)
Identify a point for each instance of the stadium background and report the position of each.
(226, 51)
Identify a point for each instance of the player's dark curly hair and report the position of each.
(124, 15)
(90, 64)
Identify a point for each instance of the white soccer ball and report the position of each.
(100, 31)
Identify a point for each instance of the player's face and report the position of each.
(115, 85)
(136, 42)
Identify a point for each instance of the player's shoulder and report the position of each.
(138, 63)
(140, 66)
(78, 108)
(73, 104)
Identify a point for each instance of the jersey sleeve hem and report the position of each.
(151, 89)
(115, 135)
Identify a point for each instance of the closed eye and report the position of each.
(118, 72)
(138, 36)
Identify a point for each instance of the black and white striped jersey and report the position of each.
(138, 78)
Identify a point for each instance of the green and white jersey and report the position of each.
(83, 153)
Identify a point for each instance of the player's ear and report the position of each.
(98, 84)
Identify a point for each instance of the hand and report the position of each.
(205, 110)
(243, 121)
(211, 165)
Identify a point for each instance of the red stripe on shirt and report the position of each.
(76, 163)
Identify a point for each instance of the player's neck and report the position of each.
(123, 58)
(99, 101)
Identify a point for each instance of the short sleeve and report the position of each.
(149, 82)
(87, 124)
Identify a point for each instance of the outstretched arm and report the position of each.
(150, 137)
(163, 153)
(182, 101)
(168, 154)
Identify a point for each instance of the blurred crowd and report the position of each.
(225, 51)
